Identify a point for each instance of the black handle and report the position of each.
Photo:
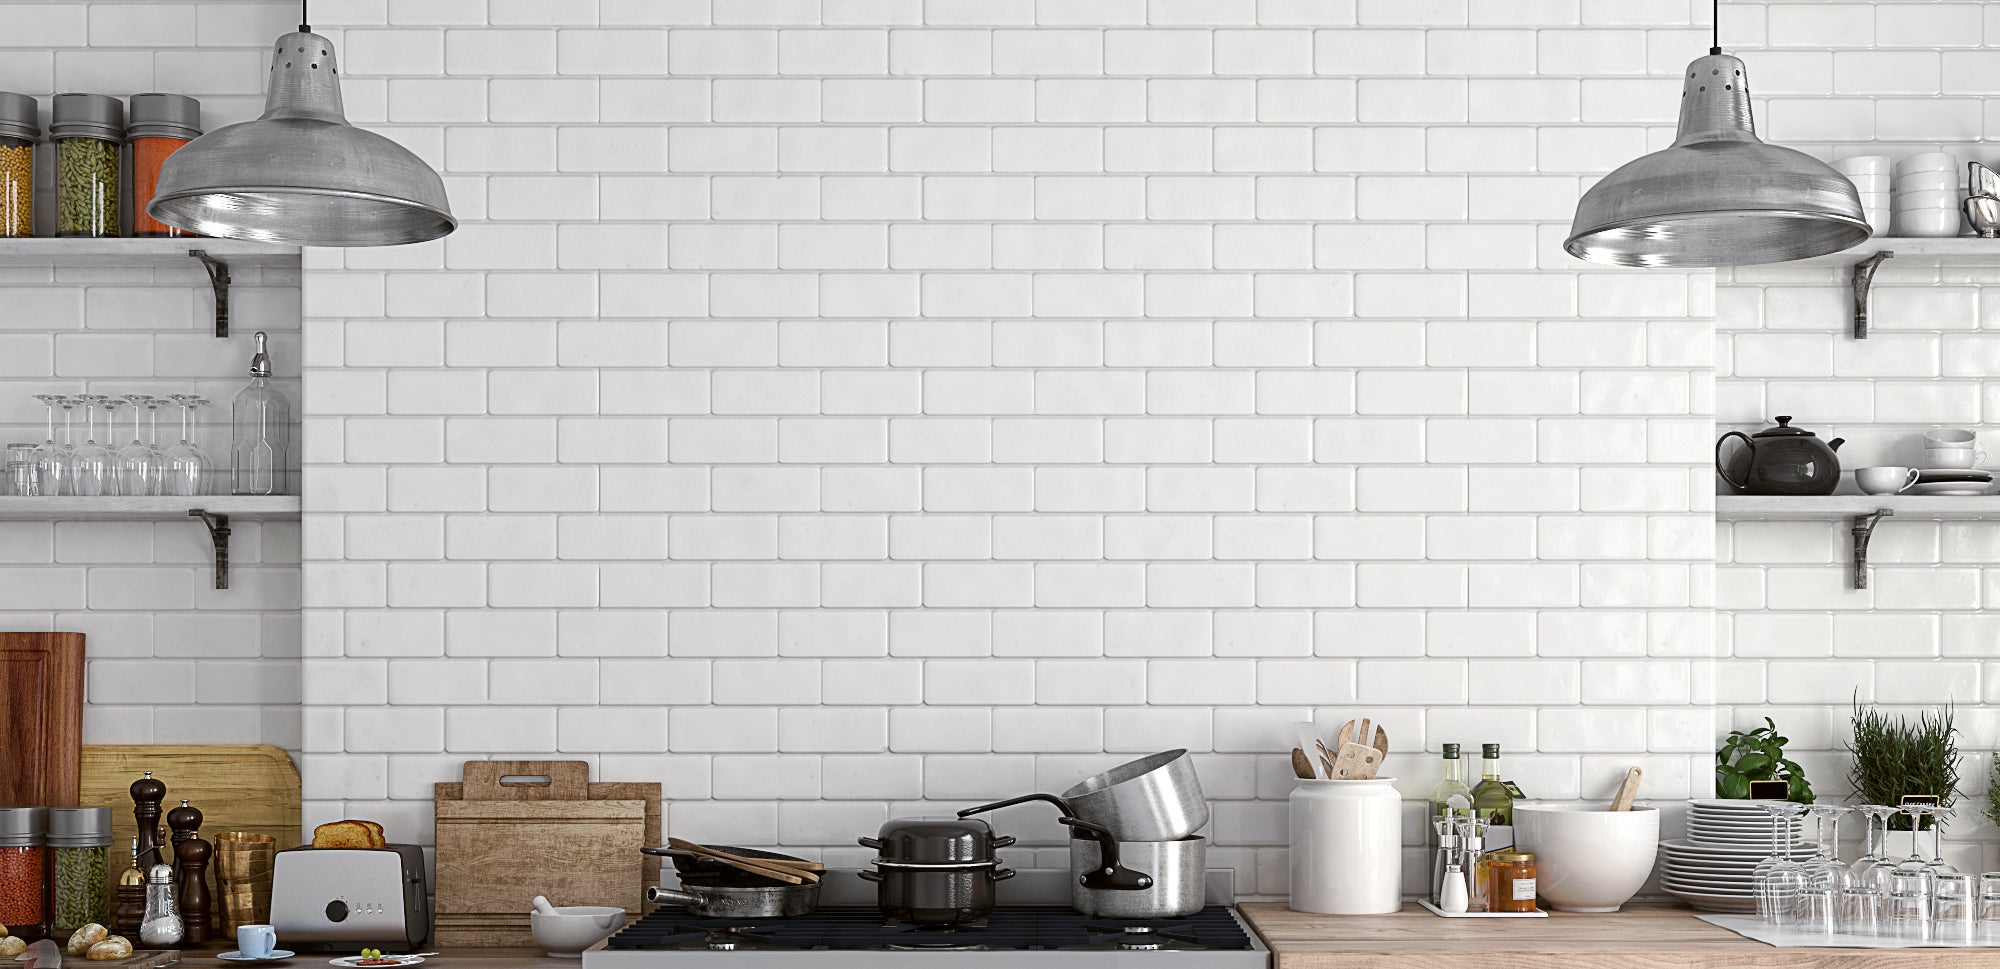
(1109, 874)
(1061, 805)
(869, 843)
(1723, 470)
(868, 875)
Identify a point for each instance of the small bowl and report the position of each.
(570, 929)
(1587, 858)
(1930, 161)
(1910, 201)
(1928, 223)
(1864, 165)
(1929, 182)
(1872, 184)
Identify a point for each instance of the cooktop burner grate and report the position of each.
(861, 927)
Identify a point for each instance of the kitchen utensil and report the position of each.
(935, 895)
(1888, 480)
(566, 931)
(1309, 743)
(1628, 790)
(942, 841)
(1589, 858)
(1177, 871)
(42, 731)
(1980, 180)
(776, 872)
(339, 898)
(1982, 213)
(1356, 762)
(1953, 458)
(1929, 161)
(248, 788)
(1377, 738)
(1301, 766)
(1109, 874)
(1780, 460)
(1155, 798)
(483, 873)
(1346, 847)
(44, 954)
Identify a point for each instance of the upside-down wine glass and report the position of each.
(141, 469)
(92, 460)
(187, 464)
(1937, 865)
(51, 464)
(1871, 873)
(1779, 880)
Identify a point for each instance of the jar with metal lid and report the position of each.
(160, 125)
(24, 871)
(79, 848)
(18, 134)
(87, 130)
(1513, 874)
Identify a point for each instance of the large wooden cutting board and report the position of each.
(238, 787)
(41, 717)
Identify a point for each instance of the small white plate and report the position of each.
(238, 956)
(351, 962)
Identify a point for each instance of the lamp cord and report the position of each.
(305, 18)
(1714, 26)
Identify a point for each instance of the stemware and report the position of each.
(187, 464)
(1937, 865)
(91, 461)
(114, 483)
(51, 461)
(1916, 813)
(1870, 873)
(1779, 880)
(141, 468)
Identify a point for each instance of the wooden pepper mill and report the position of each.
(131, 909)
(147, 794)
(185, 823)
(193, 888)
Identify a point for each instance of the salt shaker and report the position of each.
(162, 926)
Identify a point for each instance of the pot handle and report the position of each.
(868, 875)
(1061, 805)
(658, 895)
(1723, 470)
(1109, 874)
(1003, 841)
(869, 843)
(999, 874)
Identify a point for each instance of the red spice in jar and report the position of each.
(23, 889)
(148, 154)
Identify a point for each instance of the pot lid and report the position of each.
(1784, 429)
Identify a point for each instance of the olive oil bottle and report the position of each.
(1492, 802)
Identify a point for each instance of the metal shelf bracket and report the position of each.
(218, 536)
(218, 279)
(1864, 531)
(1864, 278)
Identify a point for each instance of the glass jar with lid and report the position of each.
(160, 125)
(18, 134)
(1513, 886)
(88, 130)
(24, 871)
(79, 843)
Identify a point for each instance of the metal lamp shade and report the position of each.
(300, 174)
(1718, 196)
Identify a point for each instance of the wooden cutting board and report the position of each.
(41, 717)
(139, 959)
(501, 842)
(238, 787)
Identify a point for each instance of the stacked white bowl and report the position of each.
(1871, 177)
(1713, 869)
(1929, 190)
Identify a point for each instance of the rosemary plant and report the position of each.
(1894, 757)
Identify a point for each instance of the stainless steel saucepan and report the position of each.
(1155, 798)
(1178, 870)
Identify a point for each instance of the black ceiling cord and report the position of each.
(1714, 26)
(305, 18)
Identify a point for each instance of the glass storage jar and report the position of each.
(1513, 887)
(160, 125)
(87, 130)
(18, 134)
(24, 868)
(79, 842)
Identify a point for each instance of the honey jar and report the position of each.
(1513, 884)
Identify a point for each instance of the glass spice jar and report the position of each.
(18, 134)
(24, 867)
(87, 130)
(1513, 886)
(79, 842)
(160, 125)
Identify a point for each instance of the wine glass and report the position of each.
(1937, 865)
(114, 483)
(91, 460)
(1778, 880)
(1871, 873)
(51, 462)
(187, 464)
(1916, 814)
(141, 469)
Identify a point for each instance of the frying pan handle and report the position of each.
(1061, 805)
(869, 843)
(1109, 874)
(868, 875)
(658, 895)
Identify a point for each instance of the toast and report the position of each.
(349, 834)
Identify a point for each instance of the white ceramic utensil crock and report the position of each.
(1347, 847)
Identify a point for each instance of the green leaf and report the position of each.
(1732, 786)
(1754, 765)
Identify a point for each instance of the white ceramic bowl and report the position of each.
(1927, 182)
(1864, 165)
(1587, 859)
(1872, 184)
(1946, 199)
(570, 929)
(1930, 161)
(1928, 223)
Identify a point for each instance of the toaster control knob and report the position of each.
(336, 911)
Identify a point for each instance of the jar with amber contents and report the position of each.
(160, 124)
(1513, 885)
(18, 134)
(24, 871)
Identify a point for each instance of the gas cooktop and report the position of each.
(1044, 936)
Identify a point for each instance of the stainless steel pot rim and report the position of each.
(758, 890)
(1083, 836)
(936, 866)
(1124, 772)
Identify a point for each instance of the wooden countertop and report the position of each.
(450, 959)
(1642, 936)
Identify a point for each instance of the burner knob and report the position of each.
(1138, 946)
(722, 945)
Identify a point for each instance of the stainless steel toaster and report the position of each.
(348, 898)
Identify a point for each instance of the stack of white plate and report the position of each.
(1952, 481)
(1713, 868)
(1930, 189)
(1871, 177)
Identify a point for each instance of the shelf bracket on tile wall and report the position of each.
(218, 536)
(1864, 531)
(1864, 277)
(218, 278)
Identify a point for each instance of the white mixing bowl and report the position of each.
(1587, 859)
(570, 929)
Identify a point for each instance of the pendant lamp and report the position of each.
(1717, 196)
(300, 174)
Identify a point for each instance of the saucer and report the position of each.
(277, 955)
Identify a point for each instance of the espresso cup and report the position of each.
(256, 941)
(1885, 481)
(1953, 457)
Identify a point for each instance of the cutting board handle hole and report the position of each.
(527, 780)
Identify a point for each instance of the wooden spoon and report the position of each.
(1627, 791)
(1301, 767)
(788, 875)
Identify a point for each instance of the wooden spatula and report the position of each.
(1301, 766)
(1627, 791)
(793, 876)
(1357, 762)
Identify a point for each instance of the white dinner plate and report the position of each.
(354, 962)
(1703, 902)
(1950, 488)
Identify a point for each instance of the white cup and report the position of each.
(1927, 223)
(1885, 481)
(1864, 165)
(1953, 457)
(1928, 182)
(1950, 437)
(256, 941)
(1930, 161)
(1945, 199)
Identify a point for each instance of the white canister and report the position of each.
(1347, 847)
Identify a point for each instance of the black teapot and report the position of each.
(1781, 460)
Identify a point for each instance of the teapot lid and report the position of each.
(1784, 429)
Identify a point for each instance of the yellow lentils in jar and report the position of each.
(18, 134)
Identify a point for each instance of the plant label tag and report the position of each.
(1926, 800)
(1514, 789)
(1770, 790)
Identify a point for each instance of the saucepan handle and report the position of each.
(1109, 874)
(868, 875)
(1061, 805)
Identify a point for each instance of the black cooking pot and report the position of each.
(936, 841)
(935, 871)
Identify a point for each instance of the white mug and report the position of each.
(256, 941)
(1886, 480)
(1949, 437)
(1953, 457)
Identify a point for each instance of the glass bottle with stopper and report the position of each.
(260, 431)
